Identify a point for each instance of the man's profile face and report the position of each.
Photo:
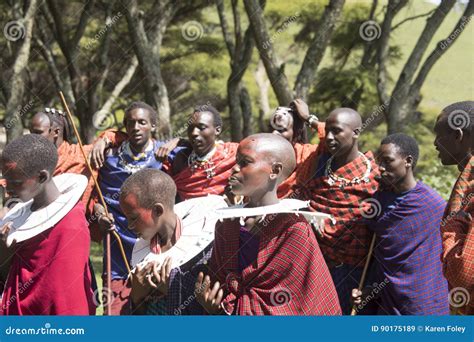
(41, 125)
(445, 141)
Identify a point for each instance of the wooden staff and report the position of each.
(101, 198)
(364, 272)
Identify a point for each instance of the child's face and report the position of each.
(18, 185)
(141, 220)
(251, 174)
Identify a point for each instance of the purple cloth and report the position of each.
(248, 250)
(407, 252)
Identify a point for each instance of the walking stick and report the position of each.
(101, 198)
(364, 272)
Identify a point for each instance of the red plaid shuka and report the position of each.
(191, 184)
(347, 241)
(458, 236)
(289, 276)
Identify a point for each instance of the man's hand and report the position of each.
(359, 296)
(140, 286)
(209, 298)
(106, 223)
(4, 231)
(301, 109)
(159, 279)
(164, 150)
(97, 155)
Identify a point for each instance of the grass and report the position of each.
(96, 259)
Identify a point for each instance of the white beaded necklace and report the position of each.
(196, 162)
(333, 178)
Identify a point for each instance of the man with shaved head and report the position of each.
(454, 141)
(54, 126)
(266, 267)
(339, 180)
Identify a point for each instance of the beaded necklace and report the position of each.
(195, 162)
(333, 178)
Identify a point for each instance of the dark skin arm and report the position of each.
(302, 110)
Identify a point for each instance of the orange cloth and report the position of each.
(71, 160)
(458, 239)
(302, 152)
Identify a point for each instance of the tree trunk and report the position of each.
(264, 105)
(315, 52)
(399, 107)
(275, 73)
(147, 50)
(240, 52)
(14, 110)
(246, 105)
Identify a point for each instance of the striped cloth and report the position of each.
(407, 249)
(347, 241)
(289, 276)
(458, 240)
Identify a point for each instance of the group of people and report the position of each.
(161, 199)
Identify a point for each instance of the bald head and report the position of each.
(275, 148)
(346, 116)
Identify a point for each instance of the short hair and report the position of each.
(31, 153)
(215, 113)
(150, 186)
(407, 146)
(142, 105)
(461, 115)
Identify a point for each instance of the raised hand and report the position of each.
(209, 298)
